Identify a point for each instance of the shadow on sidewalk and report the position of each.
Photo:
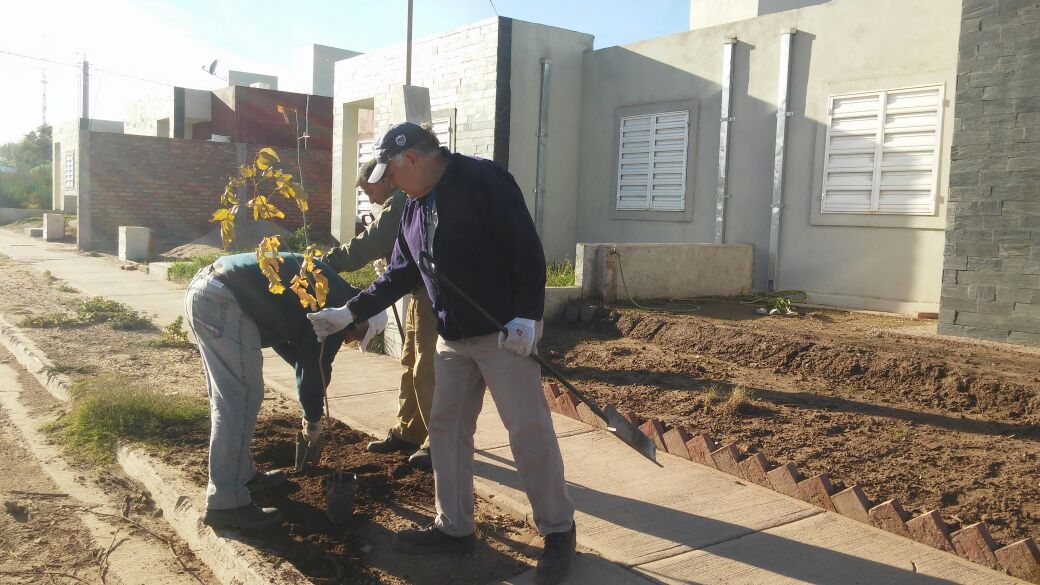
(781, 556)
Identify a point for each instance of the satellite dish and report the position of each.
(212, 67)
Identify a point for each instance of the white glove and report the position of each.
(380, 266)
(521, 337)
(328, 321)
(376, 325)
(311, 430)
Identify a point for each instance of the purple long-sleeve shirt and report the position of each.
(485, 242)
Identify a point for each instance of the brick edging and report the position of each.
(974, 543)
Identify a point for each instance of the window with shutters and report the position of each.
(364, 152)
(882, 152)
(70, 169)
(652, 160)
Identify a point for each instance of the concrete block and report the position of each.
(409, 103)
(975, 544)
(53, 226)
(675, 442)
(700, 448)
(34, 232)
(852, 503)
(632, 418)
(784, 479)
(655, 430)
(134, 243)
(1020, 559)
(588, 417)
(727, 459)
(551, 391)
(817, 490)
(929, 528)
(566, 404)
(754, 469)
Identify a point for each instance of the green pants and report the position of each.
(417, 380)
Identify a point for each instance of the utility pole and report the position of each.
(85, 92)
(408, 54)
(44, 83)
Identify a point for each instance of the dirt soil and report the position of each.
(391, 495)
(869, 399)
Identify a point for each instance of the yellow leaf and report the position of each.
(268, 259)
(220, 214)
(321, 287)
(227, 231)
(299, 286)
(265, 158)
(246, 171)
(262, 209)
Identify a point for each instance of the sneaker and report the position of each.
(432, 540)
(390, 444)
(556, 557)
(421, 459)
(248, 517)
(265, 481)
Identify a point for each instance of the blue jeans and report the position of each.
(230, 345)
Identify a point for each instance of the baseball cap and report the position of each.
(399, 138)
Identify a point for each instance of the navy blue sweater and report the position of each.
(283, 322)
(485, 243)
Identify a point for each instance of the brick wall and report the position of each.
(991, 275)
(174, 186)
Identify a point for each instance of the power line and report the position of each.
(493, 7)
(128, 76)
(38, 58)
(108, 71)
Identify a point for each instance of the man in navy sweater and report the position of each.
(470, 216)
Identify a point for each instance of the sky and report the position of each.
(138, 48)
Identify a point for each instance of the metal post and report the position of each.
(543, 144)
(721, 192)
(85, 92)
(408, 50)
(782, 114)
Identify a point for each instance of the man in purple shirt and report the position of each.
(470, 216)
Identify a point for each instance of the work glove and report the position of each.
(311, 431)
(376, 325)
(328, 321)
(521, 337)
(380, 266)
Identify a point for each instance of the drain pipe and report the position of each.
(543, 145)
(721, 193)
(782, 114)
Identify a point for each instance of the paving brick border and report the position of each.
(974, 543)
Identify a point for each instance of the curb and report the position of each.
(231, 561)
(1020, 559)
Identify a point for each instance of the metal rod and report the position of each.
(782, 113)
(408, 50)
(543, 145)
(85, 92)
(721, 193)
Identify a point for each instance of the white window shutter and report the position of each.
(442, 128)
(70, 169)
(882, 152)
(364, 149)
(652, 161)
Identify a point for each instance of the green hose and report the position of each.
(780, 299)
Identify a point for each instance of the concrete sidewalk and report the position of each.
(680, 523)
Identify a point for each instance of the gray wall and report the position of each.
(991, 280)
(864, 261)
(566, 49)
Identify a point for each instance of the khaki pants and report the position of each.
(417, 380)
(463, 369)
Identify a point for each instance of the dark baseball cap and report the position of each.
(399, 138)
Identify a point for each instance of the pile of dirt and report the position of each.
(248, 234)
(866, 399)
(391, 496)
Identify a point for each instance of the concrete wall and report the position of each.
(460, 69)
(322, 64)
(142, 116)
(662, 271)
(863, 261)
(70, 137)
(707, 13)
(991, 277)
(246, 78)
(566, 49)
(174, 186)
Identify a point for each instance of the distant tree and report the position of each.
(33, 150)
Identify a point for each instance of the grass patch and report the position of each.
(67, 289)
(173, 336)
(559, 273)
(94, 254)
(360, 278)
(737, 402)
(94, 310)
(48, 276)
(183, 270)
(713, 396)
(107, 409)
(68, 369)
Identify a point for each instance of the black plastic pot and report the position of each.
(339, 496)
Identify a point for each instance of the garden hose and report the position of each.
(773, 299)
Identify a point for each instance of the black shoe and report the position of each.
(432, 540)
(556, 557)
(248, 517)
(263, 482)
(421, 459)
(391, 444)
